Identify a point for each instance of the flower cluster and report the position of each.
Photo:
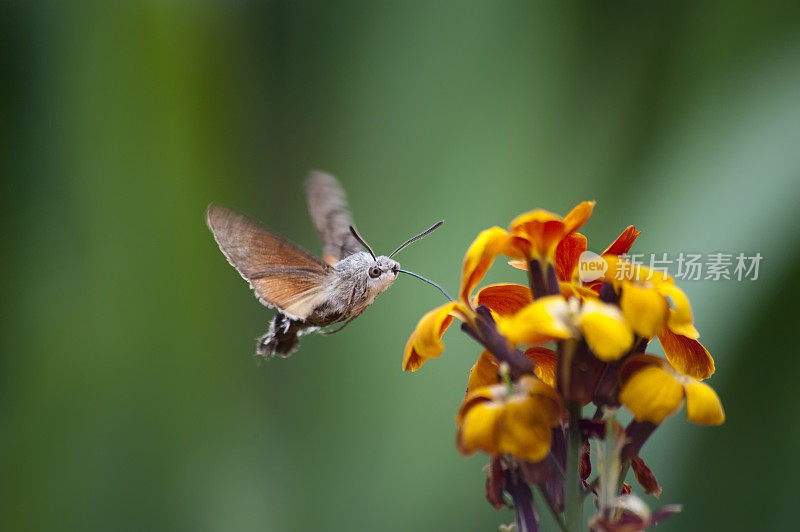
(556, 345)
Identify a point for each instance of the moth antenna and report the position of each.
(414, 239)
(421, 278)
(362, 242)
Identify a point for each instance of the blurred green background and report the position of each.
(129, 396)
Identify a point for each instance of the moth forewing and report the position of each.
(281, 273)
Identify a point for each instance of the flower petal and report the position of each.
(479, 428)
(542, 228)
(651, 394)
(634, 363)
(578, 216)
(483, 373)
(703, 405)
(686, 355)
(495, 392)
(426, 340)
(680, 312)
(605, 330)
(504, 299)
(495, 484)
(519, 264)
(524, 432)
(545, 364)
(645, 477)
(644, 309)
(551, 408)
(531, 222)
(481, 255)
(624, 242)
(569, 290)
(568, 253)
(521, 424)
(540, 321)
(688, 330)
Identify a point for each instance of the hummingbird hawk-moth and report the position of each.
(308, 292)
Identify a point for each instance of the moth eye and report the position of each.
(375, 272)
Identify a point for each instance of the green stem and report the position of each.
(623, 472)
(553, 511)
(574, 502)
(505, 373)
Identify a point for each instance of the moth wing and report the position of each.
(281, 273)
(292, 291)
(327, 204)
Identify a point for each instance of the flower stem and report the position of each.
(574, 502)
(552, 507)
(623, 472)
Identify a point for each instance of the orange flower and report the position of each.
(518, 420)
(653, 390)
(544, 230)
(531, 236)
(569, 250)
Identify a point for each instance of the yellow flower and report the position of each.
(653, 390)
(653, 305)
(553, 318)
(496, 420)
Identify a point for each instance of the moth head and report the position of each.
(382, 272)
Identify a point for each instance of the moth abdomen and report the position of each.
(326, 314)
(282, 338)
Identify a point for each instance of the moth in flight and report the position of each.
(308, 292)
